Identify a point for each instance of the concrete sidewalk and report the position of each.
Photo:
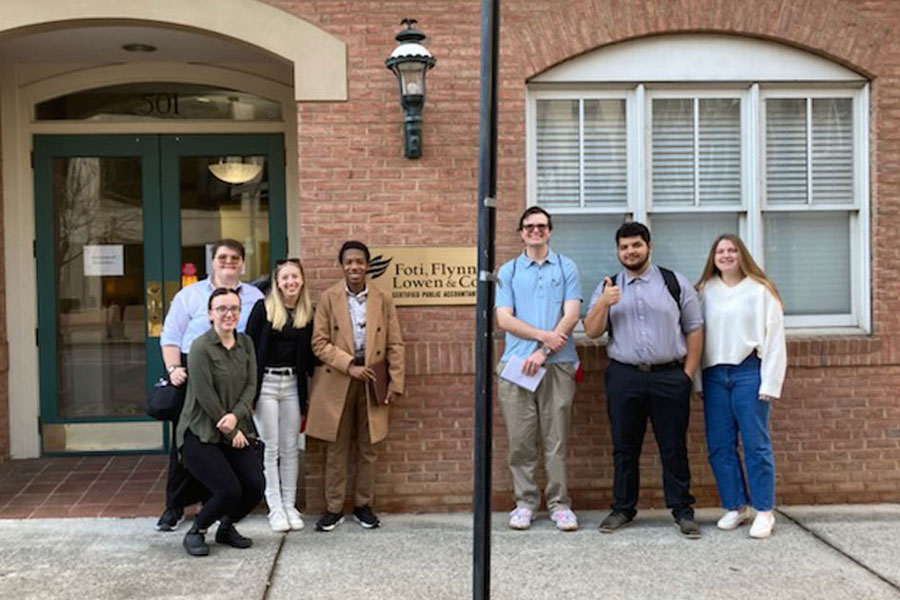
(816, 552)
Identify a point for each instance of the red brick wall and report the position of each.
(837, 429)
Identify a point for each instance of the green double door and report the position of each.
(122, 223)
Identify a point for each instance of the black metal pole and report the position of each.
(484, 384)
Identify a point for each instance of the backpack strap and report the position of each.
(672, 285)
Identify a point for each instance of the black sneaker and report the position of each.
(228, 535)
(688, 527)
(365, 517)
(329, 521)
(195, 544)
(170, 519)
(614, 521)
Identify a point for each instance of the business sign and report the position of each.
(426, 275)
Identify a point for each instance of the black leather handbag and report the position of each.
(165, 400)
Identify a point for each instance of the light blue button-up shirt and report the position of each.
(537, 292)
(188, 316)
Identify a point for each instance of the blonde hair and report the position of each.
(747, 265)
(276, 312)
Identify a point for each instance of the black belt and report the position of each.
(279, 370)
(649, 368)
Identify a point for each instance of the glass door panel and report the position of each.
(218, 187)
(99, 266)
(224, 197)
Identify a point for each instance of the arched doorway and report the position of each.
(52, 61)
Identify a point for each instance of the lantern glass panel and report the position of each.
(412, 78)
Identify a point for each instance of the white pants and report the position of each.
(278, 420)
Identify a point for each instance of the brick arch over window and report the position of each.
(824, 27)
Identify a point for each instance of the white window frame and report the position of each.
(531, 158)
(639, 96)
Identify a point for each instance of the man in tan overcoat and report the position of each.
(355, 328)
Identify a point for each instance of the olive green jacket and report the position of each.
(220, 381)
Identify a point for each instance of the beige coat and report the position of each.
(332, 343)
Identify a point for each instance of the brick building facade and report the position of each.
(836, 431)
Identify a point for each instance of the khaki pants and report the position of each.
(354, 416)
(548, 411)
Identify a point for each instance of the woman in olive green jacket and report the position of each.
(215, 432)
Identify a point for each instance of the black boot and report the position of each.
(228, 535)
(195, 542)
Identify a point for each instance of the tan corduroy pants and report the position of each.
(353, 418)
(546, 412)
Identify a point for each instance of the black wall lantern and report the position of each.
(409, 61)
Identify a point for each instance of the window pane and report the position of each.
(673, 152)
(682, 242)
(832, 150)
(605, 153)
(786, 151)
(720, 151)
(589, 240)
(557, 153)
(808, 258)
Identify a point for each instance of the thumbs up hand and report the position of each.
(611, 293)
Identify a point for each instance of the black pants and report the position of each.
(233, 476)
(182, 489)
(663, 396)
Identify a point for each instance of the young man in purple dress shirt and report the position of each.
(655, 345)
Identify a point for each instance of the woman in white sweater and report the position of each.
(744, 362)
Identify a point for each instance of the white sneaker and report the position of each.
(762, 524)
(295, 520)
(278, 521)
(734, 519)
(565, 519)
(520, 518)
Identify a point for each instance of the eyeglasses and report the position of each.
(221, 310)
(295, 261)
(535, 227)
(225, 258)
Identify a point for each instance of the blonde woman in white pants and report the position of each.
(281, 328)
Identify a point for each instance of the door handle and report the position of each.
(154, 309)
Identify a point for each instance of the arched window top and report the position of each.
(163, 100)
(697, 57)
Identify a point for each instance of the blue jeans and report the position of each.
(732, 405)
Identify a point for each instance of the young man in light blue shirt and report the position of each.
(187, 319)
(538, 304)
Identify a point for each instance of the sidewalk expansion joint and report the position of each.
(839, 550)
(271, 574)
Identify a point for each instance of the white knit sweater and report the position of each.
(740, 319)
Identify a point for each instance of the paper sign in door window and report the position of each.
(106, 259)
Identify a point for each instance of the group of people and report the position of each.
(245, 359)
(722, 339)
